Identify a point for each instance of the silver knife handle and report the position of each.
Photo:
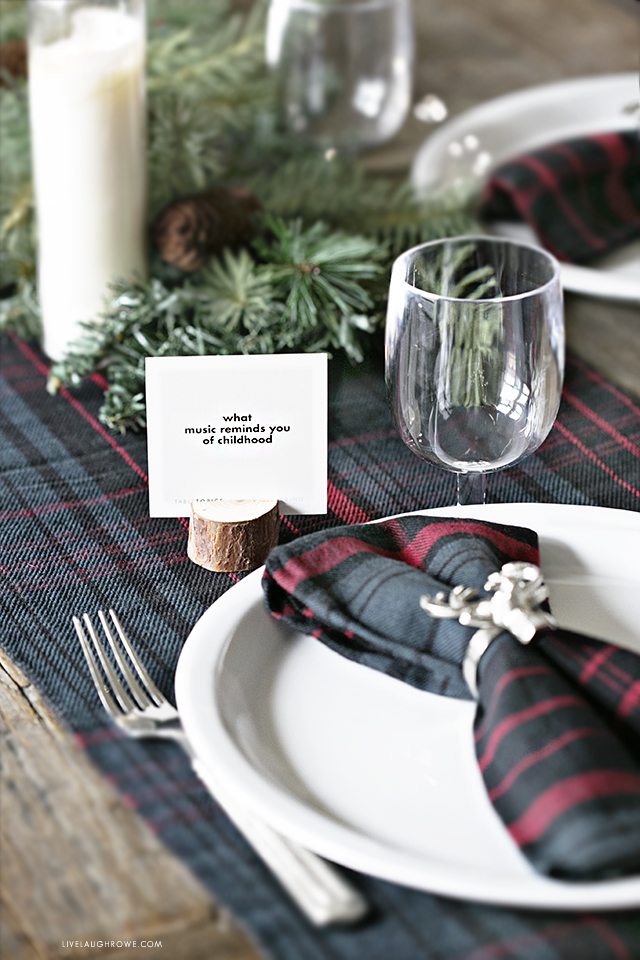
(316, 887)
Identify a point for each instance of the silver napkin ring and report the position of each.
(517, 590)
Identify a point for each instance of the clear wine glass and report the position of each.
(343, 69)
(474, 354)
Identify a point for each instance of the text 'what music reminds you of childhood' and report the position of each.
(238, 428)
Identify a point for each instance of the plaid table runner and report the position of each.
(75, 536)
(582, 197)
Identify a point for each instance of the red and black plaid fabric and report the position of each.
(566, 785)
(582, 197)
(75, 535)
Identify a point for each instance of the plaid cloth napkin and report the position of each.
(557, 730)
(582, 197)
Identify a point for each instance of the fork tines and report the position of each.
(141, 696)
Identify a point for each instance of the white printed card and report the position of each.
(237, 428)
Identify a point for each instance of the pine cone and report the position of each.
(191, 230)
(13, 59)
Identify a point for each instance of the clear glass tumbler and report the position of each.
(343, 69)
(474, 354)
(87, 108)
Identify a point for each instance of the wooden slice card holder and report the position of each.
(228, 536)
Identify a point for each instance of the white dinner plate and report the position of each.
(478, 140)
(372, 773)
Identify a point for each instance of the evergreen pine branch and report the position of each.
(13, 21)
(340, 193)
(308, 292)
(318, 272)
(203, 89)
(315, 280)
(17, 231)
(20, 312)
(242, 293)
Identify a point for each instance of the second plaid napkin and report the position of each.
(582, 197)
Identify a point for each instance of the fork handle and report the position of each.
(317, 888)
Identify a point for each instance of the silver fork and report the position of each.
(140, 709)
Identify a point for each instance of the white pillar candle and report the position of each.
(87, 103)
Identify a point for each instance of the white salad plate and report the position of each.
(372, 773)
(475, 142)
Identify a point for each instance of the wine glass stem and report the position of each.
(471, 488)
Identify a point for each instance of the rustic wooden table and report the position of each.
(76, 861)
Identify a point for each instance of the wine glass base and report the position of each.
(471, 488)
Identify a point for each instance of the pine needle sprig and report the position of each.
(317, 271)
(242, 293)
(146, 320)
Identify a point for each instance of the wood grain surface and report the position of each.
(468, 51)
(76, 862)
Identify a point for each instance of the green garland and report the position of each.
(314, 279)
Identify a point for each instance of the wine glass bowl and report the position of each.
(342, 69)
(474, 354)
